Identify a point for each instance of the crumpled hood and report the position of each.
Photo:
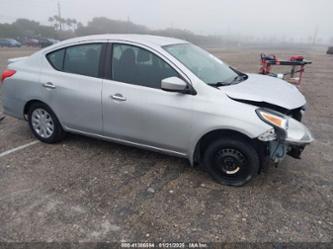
(262, 88)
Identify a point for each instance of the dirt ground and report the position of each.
(88, 190)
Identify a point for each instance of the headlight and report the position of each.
(273, 118)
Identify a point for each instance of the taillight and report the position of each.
(7, 73)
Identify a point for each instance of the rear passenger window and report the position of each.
(56, 59)
(83, 59)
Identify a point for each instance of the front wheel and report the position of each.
(231, 161)
(44, 123)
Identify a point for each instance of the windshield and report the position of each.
(204, 65)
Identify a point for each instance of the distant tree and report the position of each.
(51, 19)
(7, 30)
(68, 23)
(74, 24)
(61, 28)
(100, 25)
(60, 23)
(22, 28)
(79, 25)
(26, 27)
(57, 22)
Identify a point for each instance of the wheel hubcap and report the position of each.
(230, 161)
(42, 123)
(230, 166)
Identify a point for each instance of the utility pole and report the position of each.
(59, 15)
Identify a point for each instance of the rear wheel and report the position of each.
(231, 161)
(44, 124)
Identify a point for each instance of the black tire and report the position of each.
(231, 161)
(57, 133)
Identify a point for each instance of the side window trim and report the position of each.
(101, 65)
(108, 61)
(109, 64)
(63, 60)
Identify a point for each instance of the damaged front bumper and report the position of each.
(291, 141)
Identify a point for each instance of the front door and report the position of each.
(136, 109)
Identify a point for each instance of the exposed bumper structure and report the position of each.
(292, 143)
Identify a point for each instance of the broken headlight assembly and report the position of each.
(277, 120)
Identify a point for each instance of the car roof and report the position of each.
(145, 39)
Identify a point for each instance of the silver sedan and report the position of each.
(161, 94)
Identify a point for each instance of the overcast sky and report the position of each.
(264, 18)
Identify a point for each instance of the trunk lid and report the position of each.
(12, 60)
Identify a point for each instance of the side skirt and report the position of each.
(129, 143)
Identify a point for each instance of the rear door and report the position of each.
(73, 86)
(136, 109)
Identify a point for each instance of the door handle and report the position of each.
(49, 85)
(118, 97)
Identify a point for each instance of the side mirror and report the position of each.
(174, 84)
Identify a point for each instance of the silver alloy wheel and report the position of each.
(42, 123)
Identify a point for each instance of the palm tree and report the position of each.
(52, 21)
(59, 23)
(74, 23)
(69, 23)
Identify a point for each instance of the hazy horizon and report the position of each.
(296, 20)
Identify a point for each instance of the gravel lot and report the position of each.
(89, 190)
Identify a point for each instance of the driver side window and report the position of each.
(138, 66)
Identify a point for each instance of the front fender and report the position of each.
(250, 129)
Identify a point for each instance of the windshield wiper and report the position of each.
(219, 83)
(239, 78)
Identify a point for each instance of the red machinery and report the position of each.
(296, 62)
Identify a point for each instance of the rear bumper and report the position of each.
(13, 107)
